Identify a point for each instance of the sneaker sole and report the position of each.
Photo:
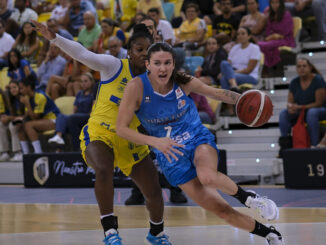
(277, 212)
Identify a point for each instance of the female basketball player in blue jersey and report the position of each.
(185, 149)
(102, 149)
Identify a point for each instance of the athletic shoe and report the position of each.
(267, 208)
(136, 197)
(177, 196)
(274, 237)
(112, 238)
(56, 139)
(18, 157)
(4, 157)
(160, 239)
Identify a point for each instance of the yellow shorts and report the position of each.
(126, 154)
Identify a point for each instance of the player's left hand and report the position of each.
(167, 147)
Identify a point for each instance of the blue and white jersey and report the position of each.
(172, 115)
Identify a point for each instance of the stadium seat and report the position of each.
(192, 62)
(297, 26)
(4, 79)
(168, 9)
(43, 17)
(66, 106)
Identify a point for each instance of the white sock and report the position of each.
(106, 215)
(158, 223)
(25, 148)
(37, 146)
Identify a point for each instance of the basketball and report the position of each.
(254, 108)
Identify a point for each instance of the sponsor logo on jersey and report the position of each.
(41, 170)
(181, 103)
(178, 92)
(147, 99)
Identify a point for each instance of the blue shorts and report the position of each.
(181, 171)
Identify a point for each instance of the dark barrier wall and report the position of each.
(305, 168)
(69, 170)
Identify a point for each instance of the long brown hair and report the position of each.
(278, 15)
(32, 36)
(312, 66)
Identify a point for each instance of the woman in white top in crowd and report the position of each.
(243, 62)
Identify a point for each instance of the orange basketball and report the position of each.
(254, 108)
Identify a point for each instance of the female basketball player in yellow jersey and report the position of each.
(101, 147)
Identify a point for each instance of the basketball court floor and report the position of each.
(70, 216)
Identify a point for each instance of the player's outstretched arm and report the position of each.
(107, 64)
(130, 102)
(224, 95)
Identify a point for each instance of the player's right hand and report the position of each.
(167, 147)
(43, 29)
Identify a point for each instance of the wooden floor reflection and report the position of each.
(55, 224)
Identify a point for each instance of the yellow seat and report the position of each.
(43, 17)
(209, 31)
(297, 26)
(66, 107)
(4, 79)
(65, 104)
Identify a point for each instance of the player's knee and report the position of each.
(205, 178)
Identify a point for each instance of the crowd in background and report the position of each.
(235, 39)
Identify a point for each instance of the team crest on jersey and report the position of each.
(120, 89)
(181, 103)
(147, 99)
(178, 92)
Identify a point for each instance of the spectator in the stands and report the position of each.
(11, 120)
(5, 12)
(18, 67)
(226, 23)
(242, 65)
(22, 14)
(144, 5)
(206, 10)
(278, 32)
(115, 48)
(163, 27)
(90, 32)
(308, 8)
(40, 115)
(75, 122)
(55, 27)
(254, 20)
(214, 54)
(307, 90)
(28, 43)
(6, 43)
(67, 84)
(60, 10)
(73, 20)
(109, 29)
(192, 31)
(53, 64)
(123, 13)
(238, 8)
(205, 112)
